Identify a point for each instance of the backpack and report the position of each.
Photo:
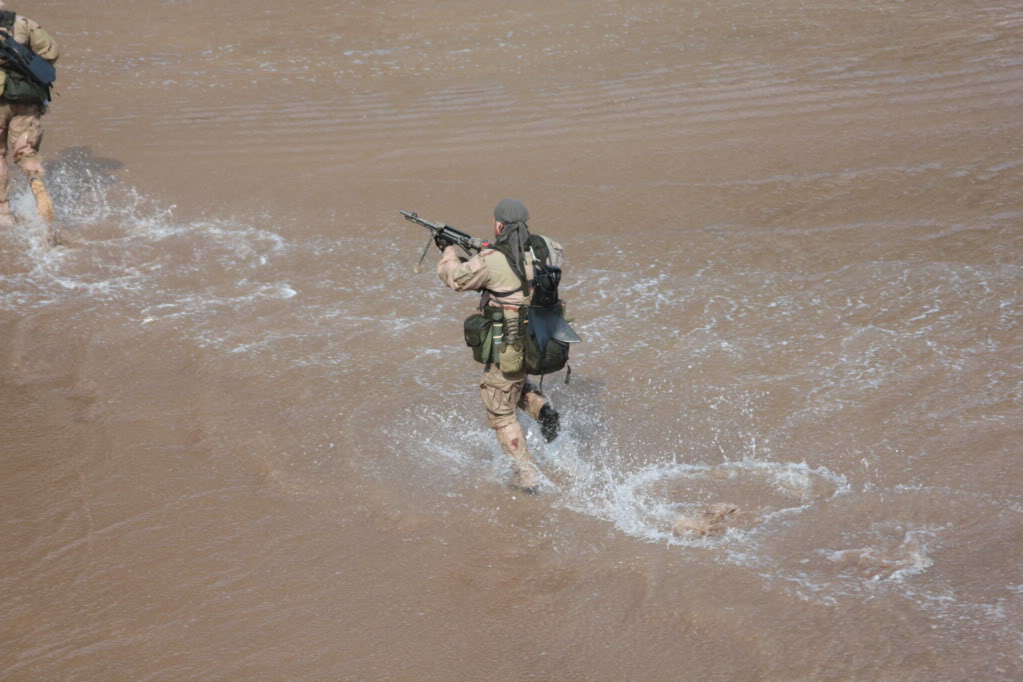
(547, 335)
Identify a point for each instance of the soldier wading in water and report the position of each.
(504, 273)
(22, 105)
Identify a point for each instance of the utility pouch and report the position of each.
(18, 88)
(547, 278)
(511, 356)
(479, 336)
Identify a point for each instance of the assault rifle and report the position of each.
(444, 233)
(22, 59)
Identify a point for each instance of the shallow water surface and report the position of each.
(241, 439)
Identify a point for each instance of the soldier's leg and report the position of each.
(539, 408)
(532, 401)
(26, 134)
(6, 217)
(500, 394)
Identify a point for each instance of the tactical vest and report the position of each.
(17, 87)
(540, 333)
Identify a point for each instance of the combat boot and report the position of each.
(43, 201)
(525, 475)
(550, 422)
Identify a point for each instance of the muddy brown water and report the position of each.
(240, 439)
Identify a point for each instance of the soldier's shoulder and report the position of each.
(23, 24)
(496, 264)
(493, 258)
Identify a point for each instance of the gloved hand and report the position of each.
(441, 242)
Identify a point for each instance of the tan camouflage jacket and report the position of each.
(28, 32)
(489, 270)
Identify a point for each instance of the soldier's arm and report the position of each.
(41, 42)
(460, 274)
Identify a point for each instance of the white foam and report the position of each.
(635, 508)
(882, 561)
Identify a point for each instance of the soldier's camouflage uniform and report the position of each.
(21, 128)
(502, 393)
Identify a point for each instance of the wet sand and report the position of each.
(240, 439)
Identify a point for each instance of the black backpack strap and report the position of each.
(539, 248)
(487, 294)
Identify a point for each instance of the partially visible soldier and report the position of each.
(21, 111)
(503, 274)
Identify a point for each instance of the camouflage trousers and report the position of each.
(504, 394)
(21, 131)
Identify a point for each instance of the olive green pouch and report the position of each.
(20, 89)
(479, 335)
